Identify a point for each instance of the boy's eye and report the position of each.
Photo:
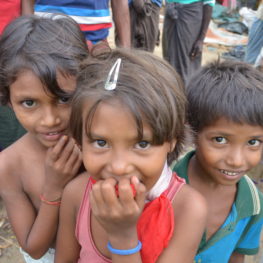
(28, 103)
(142, 145)
(220, 140)
(100, 143)
(254, 142)
(63, 100)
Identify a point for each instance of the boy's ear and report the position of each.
(172, 145)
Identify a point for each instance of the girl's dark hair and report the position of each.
(44, 45)
(147, 85)
(229, 89)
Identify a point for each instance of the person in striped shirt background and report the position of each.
(93, 17)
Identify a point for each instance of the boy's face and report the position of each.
(225, 150)
(42, 114)
(113, 149)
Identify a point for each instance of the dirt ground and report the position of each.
(9, 250)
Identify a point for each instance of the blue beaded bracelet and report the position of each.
(125, 252)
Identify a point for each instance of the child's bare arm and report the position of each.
(237, 258)
(27, 7)
(118, 215)
(35, 230)
(190, 221)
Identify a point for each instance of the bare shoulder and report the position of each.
(12, 165)
(191, 202)
(75, 189)
(10, 160)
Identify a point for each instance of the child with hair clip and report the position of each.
(128, 116)
(39, 60)
(226, 113)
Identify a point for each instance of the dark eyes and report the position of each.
(63, 100)
(28, 103)
(103, 144)
(32, 103)
(254, 142)
(142, 145)
(220, 140)
(100, 143)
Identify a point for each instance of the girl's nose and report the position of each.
(119, 164)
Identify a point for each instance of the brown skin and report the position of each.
(21, 183)
(189, 218)
(227, 146)
(198, 45)
(114, 154)
(120, 14)
(37, 164)
(27, 7)
(237, 258)
(121, 18)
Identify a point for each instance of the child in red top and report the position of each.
(12, 9)
(129, 117)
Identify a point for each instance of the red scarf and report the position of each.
(155, 226)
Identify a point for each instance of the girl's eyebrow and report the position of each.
(94, 135)
(257, 136)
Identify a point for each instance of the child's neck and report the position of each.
(34, 143)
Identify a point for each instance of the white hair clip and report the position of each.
(110, 83)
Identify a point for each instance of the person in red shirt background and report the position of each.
(10, 9)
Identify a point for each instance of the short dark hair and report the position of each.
(44, 45)
(229, 89)
(147, 85)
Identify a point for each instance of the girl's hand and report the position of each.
(62, 164)
(118, 213)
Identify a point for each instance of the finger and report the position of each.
(78, 163)
(193, 53)
(74, 159)
(126, 196)
(67, 151)
(109, 193)
(140, 191)
(55, 151)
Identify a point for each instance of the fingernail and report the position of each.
(135, 179)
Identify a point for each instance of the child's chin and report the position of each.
(48, 144)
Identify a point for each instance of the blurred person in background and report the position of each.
(10, 128)
(94, 17)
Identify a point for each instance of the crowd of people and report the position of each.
(95, 161)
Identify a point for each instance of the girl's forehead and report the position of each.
(114, 109)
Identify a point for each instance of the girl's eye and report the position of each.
(28, 103)
(142, 145)
(254, 142)
(220, 140)
(63, 100)
(100, 143)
